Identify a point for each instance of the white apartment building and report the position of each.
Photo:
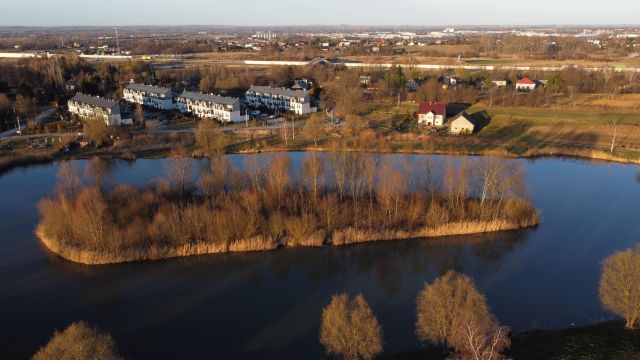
(87, 106)
(224, 109)
(153, 96)
(297, 101)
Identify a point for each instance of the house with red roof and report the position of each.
(526, 84)
(432, 114)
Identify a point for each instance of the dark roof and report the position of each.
(465, 115)
(148, 88)
(216, 99)
(436, 108)
(94, 100)
(279, 91)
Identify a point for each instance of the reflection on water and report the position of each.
(268, 305)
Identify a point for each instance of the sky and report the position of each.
(317, 12)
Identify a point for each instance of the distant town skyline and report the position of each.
(329, 12)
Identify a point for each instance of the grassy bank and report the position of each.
(609, 340)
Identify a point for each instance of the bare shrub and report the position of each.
(453, 313)
(620, 285)
(79, 341)
(443, 305)
(349, 329)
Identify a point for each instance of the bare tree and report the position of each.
(178, 170)
(620, 285)
(349, 329)
(214, 181)
(445, 305)
(314, 128)
(206, 132)
(96, 129)
(313, 170)
(481, 341)
(351, 129)
(69, 181)
(91, 217)
(277, 174)
(97, 171)
(79, 341)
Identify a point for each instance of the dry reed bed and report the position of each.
(259, 243)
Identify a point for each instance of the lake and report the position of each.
(268, 305)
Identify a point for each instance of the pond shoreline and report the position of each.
(543, 152)
(341, 237)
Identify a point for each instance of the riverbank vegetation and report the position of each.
(79, 341)
(338, 199)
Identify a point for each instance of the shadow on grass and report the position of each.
(609, 340)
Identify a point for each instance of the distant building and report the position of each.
(526, 84)
(499, 83)
(463, 124)
(432, 114)
(70, 85)
(451, 80)
(302, 84)
(265, 35)
(413, 84)
(296, 101)
(87, 106)
(224, 109)
(148, 95)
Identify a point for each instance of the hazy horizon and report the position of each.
(33, 13)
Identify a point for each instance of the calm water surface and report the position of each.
(268, 305)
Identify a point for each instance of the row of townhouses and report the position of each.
(87, 106)
(224, 109)
(148, 95)
(296, 101)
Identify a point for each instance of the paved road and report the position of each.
(354, 64)
(44, 115)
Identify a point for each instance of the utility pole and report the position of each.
(19, 132)
(613, 141)
(246, 118)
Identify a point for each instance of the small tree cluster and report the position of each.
(349, 329)
(453, 313)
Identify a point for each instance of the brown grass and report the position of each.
(347, 236)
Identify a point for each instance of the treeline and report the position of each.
(28, 83)
(339, 199)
